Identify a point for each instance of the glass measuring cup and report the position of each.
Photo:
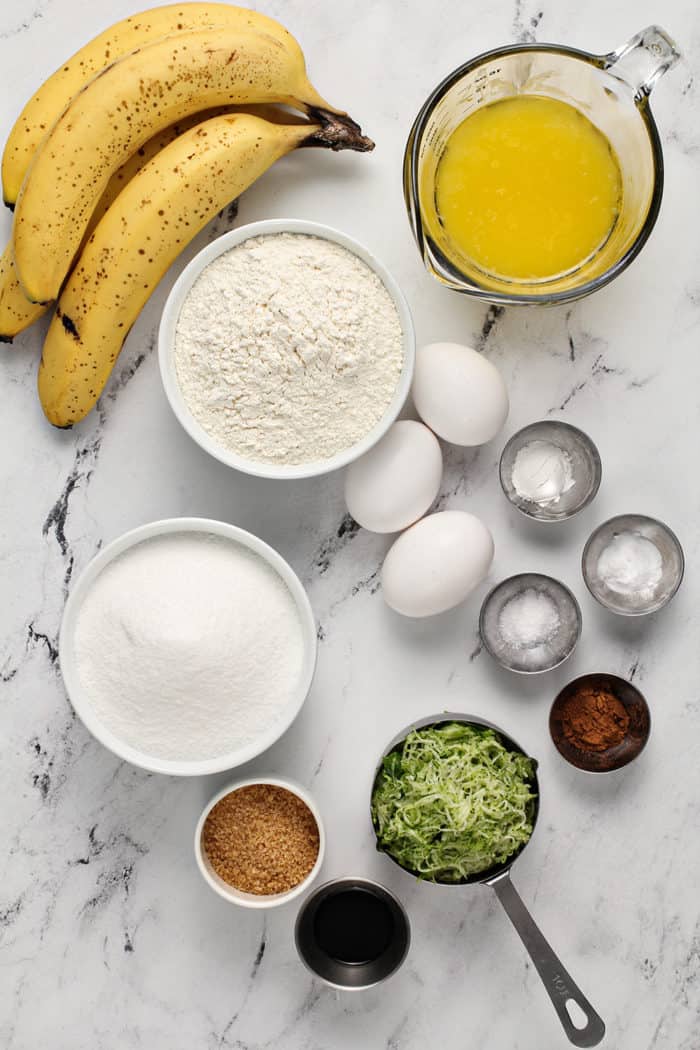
(612, 90)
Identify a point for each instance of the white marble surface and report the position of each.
(109, 938)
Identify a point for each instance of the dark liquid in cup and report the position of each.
(353, 926)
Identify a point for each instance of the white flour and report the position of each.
(288, 349)
(188, 646)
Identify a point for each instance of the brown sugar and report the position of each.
(261, 839)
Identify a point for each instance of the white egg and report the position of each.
(435, 564)
(394, 484)
(459, 393)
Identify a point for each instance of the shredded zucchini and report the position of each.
(451, 801)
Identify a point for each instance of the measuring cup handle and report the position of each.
(643, 60)
(557, 981)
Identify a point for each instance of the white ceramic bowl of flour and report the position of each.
(114, 650)
(213, 397)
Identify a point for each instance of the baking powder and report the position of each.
(288, 349)
(542, 472)
(188, 646)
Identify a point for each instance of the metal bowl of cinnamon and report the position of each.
(599, 722)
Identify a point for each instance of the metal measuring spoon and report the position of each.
(558, 983)
(672, 564)
(352, 975)
(542, 654)
(584, 460)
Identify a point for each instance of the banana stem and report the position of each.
(338, 132)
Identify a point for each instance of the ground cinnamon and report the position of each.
(593, 719)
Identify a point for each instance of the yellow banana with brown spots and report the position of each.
(122, 108)
(47, 104)
(152, 220)
(16, 311)
(138, 160)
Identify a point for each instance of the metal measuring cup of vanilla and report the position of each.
(353, 933)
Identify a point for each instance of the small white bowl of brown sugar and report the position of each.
(260, 842)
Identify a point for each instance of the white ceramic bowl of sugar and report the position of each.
(167, 354)
(81, 700)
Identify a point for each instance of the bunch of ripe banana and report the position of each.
(125, 154)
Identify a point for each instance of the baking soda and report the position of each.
(631, 565)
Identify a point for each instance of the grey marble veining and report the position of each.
(108, 937)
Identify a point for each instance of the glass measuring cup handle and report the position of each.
(557, 981)
(643, 60)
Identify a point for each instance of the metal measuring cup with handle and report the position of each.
(558, 983)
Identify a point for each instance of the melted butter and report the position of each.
(527, 188)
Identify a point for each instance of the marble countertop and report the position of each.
(109, 938)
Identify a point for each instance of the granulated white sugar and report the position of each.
(188, 646)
